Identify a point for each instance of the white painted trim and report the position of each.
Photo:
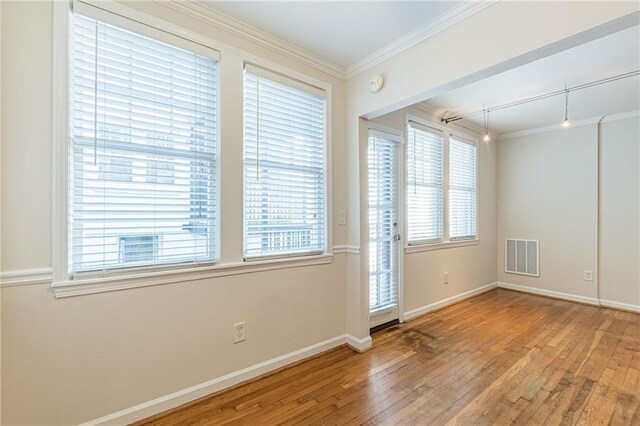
(571, 297)
(620, 305)
(245, 31)
(192, 393)
(26, 277)
(60, 148)
(93, 285)
(414, 313)
(446, 20)
(248, 32)
(67, 288)
(418, 248)
(346, 249)
(550, 293)
(360, 345)
(577, 123)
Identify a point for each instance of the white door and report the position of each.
(384, 226)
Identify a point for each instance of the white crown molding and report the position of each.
(577, 123)
(248, 32)
(26, 277)
(453, 16)
(238, 28)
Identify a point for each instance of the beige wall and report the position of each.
(548, 191)
(72, 360)
(468, 267)
(451, 59)
(620, 211)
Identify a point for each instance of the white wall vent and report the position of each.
(522, 257)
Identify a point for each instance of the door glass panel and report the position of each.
(383, 225)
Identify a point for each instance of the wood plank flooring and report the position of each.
(500, 358)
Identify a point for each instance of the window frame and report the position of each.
(446, 241)
(230, 261)
(128, 19)
(300, 82)
(155, 33)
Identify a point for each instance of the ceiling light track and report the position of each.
(564, 92)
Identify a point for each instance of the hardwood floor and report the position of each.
(500, 358)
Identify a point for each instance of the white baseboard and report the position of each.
(620, 305)
(192, 393)
(571, 297)
(359, 345)
(550, 293)
(448, 301)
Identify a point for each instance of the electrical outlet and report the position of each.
(239, 332)
(446, 278)
(342, 217)
(588, 275)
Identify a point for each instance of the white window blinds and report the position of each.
(143, 149)
(284, 166)
(424, 184)
(383, 223)
(462, 189)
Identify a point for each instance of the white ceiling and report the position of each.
(608, 56)
(342, 32)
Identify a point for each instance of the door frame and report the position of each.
(398, 135)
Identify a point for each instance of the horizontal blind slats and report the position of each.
(382, 206)
(462, 189)
(143, 162)
(284, 169)
(425, 176)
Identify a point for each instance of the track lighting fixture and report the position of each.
(566, 122)
(486, 137)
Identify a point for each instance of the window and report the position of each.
(425, 179)
(142, 248)
(441, 184)
(143, 146)
(462, 189)
(284, 166)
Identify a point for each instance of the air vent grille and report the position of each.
(522, 257)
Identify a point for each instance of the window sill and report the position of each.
(441, 245)
(86, 286)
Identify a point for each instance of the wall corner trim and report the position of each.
(414, 313)
(359, 345)
(175, 399)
